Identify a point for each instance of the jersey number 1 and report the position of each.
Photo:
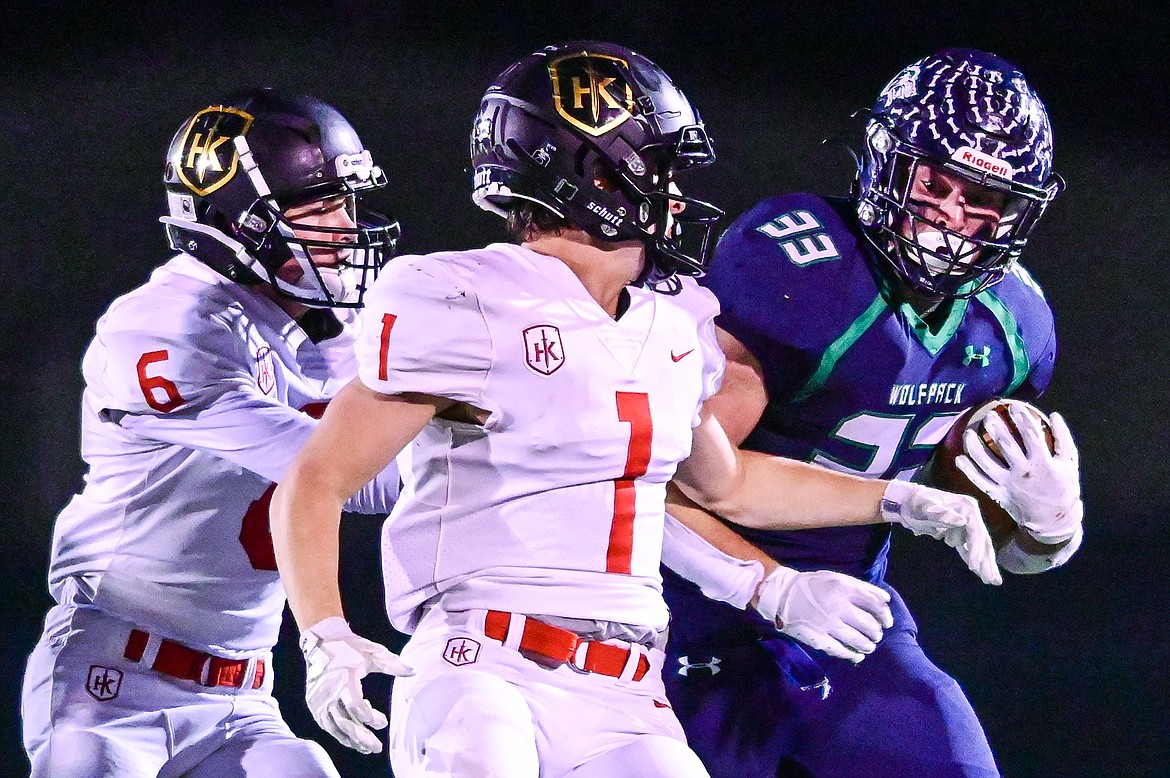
(633, 408)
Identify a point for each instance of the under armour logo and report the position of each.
(688, 665)
(982, 357)
(823, 685)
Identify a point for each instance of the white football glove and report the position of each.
(1023, 558)
(951, 518)
(336, 661)
(832, 612)
(1040, 489)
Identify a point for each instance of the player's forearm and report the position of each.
(781, 493)
(702, 549)
(713, 531)
(305, 520)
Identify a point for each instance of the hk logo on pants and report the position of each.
(103, 683)
(461, 651)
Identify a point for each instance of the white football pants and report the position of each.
(90, 713)
(476, 708)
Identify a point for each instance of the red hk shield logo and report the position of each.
(461, 651)
(543, 350)
(103, 683)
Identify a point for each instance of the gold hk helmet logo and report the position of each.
(592, 91)
(207, 157)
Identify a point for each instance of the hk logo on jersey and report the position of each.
(461, 651)
(543, 350)
(207, 158)
(592, 91)
(688, 665)
(103, 683)
(982, 357)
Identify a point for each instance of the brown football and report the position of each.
(945, 475)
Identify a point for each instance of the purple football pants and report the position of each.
(755, 706)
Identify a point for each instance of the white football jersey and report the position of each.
(555, 505)
(198, 395)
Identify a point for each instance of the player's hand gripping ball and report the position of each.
(946, 475)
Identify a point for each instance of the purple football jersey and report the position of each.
(855, 382)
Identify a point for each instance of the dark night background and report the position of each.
(1068, 670)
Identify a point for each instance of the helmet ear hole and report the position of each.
(221, 222)
(579, 164)
(604, 180)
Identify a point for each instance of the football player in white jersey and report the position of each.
(551, 390)
(200, 386)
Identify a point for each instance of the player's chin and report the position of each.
(330, 259)
(620, 245)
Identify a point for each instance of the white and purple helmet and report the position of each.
(971, 114)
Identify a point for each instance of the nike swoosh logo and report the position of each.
(680, 356)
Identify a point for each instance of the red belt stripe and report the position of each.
(179, 661)
(558, 646)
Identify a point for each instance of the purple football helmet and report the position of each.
(594, 133)
(234, 168)
(969, 114)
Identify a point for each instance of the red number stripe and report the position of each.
(388, 320)
(633, 408)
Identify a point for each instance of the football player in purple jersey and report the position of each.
(857, 329)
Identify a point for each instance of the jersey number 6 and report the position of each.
(148, 384)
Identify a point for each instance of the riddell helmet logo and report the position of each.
(207, 158)
(985, 162)
(592, 91)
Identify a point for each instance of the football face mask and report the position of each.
(948, 232)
